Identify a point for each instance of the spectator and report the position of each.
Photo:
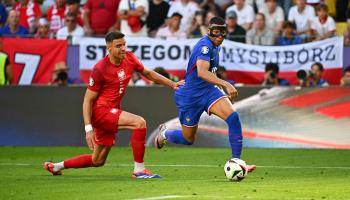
(3, 14)
(322, 26)
(73, 6)
(137, 80)
(341, 9)
(285, 5)
(221, 73)
(29, 14)
(271, 76)
(60, 76)
(43, 31)
(245, 13)
(158, 10)
(211, 6)
(274, 16)
(288, 36)
(302, 15)
(13, 29)
(345, 80)
(316, 74)
(132, 14)
(55, 15)
(235, 32)
(100, 16)
(72, 31)
(347, 33)
(198, 27)
(259, 35)
(5, 68)
(163, 72)
(187, 8)
(172, 31)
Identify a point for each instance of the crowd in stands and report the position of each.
(260, 22)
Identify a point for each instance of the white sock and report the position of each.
(163, 133)
(138, 166)
(58, 166)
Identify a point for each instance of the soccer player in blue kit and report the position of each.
(203, 91)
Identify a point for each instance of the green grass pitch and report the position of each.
(187, 173)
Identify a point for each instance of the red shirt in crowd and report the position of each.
(55, 16)
(28, 13)
(103, 14)
(110, 81)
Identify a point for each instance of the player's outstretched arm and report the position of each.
(89, 99)
(158, 78)
(204, 74)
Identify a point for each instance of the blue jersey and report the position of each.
(203, 50)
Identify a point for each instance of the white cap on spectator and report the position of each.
(43, 22)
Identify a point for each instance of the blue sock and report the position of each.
(235, 134)
(175, 136)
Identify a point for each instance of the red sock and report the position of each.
(79, 161)
(138, 140)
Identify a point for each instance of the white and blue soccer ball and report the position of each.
(235, 169)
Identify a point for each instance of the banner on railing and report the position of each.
(33, 60)
(174, 54)
(246, 61)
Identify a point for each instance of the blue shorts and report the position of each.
(191, 108)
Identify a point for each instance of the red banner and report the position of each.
(33, 60)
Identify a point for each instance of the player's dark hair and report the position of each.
(272, 67)
(319, 65)
(113, 36)
(217, 20)
(347, 69)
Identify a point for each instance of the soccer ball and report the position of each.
(235, 169)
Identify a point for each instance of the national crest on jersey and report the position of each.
(121, 75)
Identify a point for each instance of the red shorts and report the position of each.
(105, 121)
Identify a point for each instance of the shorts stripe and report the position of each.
(189, 126)
(215, 103)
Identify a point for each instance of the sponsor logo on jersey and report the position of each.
(91, 81)
(121, 75)
(205, 50)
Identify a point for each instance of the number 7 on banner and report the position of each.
(31, 64)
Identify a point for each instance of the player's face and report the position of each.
(117, 48)
(217, 34)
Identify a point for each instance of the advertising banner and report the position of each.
(33, 60)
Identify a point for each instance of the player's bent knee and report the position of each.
(141, 123)
(189, 140)
(98, 163)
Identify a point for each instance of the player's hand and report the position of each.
(231, 91)
(177, 84)
(90, 139)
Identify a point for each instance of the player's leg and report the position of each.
(96, 159)
(224, 109)
(185, 136)
(138, 139)
(189, 119)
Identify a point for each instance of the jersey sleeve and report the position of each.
(204, 52)
(95, 80)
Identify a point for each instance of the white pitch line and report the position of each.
(162, 197)
(208, 166)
